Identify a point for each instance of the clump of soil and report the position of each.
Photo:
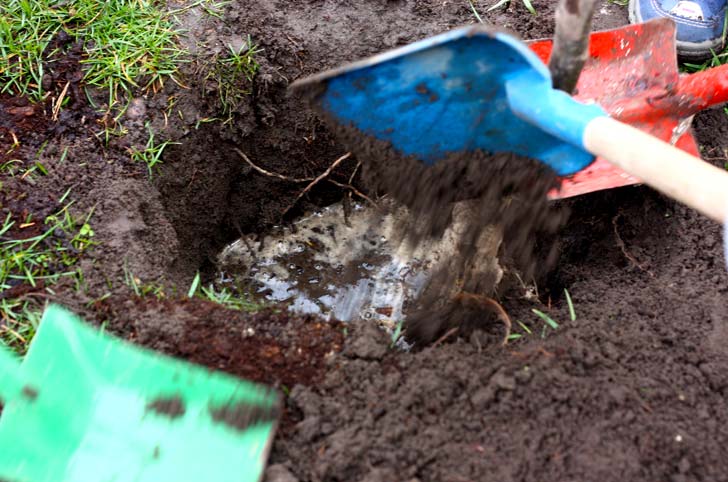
(241, 416)
(172, 407)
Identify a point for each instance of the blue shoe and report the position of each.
(700, 23)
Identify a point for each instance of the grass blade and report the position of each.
(499, 4)
(572, 313)
(194, 286)
(475, 11)
(525, 328)
(529, 7)
(396, 334)
(546, 318)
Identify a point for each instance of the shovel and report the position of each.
(477, 88)
(85, 407)
(632, 73)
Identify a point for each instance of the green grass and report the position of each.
(397, 333)
(129, 44)
(140, 288)
(16, 167)
(716, 60)
(572, 312)
(548, 321)
(475, 11)
(34, 265)
(233, 76)
(524, 327)
(151, 155)
(526, 3)
(221, 296)
(130, 48)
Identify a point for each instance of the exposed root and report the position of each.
(347, 199)
(488, 303)
(348, 186)
(353, 173)
(316, 181)
(353, 190)
(444, 337)
(269, 173)
(531, 354)
(623, 247)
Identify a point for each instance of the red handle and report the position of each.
(706, 88)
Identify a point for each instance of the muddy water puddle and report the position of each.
(324, 265)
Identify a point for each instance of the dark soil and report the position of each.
(634, 389)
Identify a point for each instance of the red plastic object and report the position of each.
(632, 73)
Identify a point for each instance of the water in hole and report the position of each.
(323, 265)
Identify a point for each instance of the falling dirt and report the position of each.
(480, 193)
(634, 388)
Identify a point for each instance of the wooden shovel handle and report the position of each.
(571, 42)
(660, 165)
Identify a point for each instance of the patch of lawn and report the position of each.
(31, 264)
(232, 74)
(128, 43)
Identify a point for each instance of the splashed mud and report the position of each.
(172, 407)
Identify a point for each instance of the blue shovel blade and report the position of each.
(465, 90)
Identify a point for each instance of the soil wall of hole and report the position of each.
(278, 132)
(203, 194)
